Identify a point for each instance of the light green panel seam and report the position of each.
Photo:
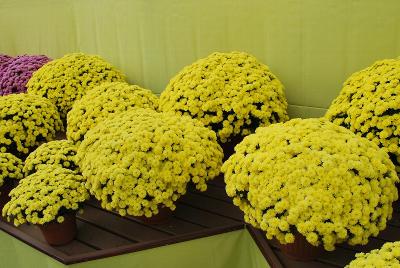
(296, 111)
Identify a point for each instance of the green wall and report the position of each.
(312, 45)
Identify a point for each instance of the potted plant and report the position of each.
(105, 100)
(140, 161)
(10, 172)
(368, 105)
(310, 183)
(387, 256)
(49, 199)
(26, 121)
(59, 153)
(65, 80)
(17, 71)
(231, 93)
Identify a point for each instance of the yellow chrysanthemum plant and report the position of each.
(140, 161)
(65, 80)
(46, 196)
(59, 153)
(26, 121)
(231, 93)
(312, 178)
(387, 256)
(10, 169)
(369, 105)
(105, 100)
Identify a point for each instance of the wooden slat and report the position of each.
(340, 257)
(199, 216)
(212, 205)
(174, 226)
(372, 244)
(218, 181)
(152, 244)
(395, 221)
(34, 242)
(75, 247)
(287, 262)
(98, 238)
(215, 192)
(390, 234)
(120, 225)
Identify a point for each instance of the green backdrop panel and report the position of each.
(312, 45)
(229, 250)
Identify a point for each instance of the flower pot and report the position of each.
(5, 189)
(57, 234)
(301, 249)
(164, 216)
(229, 147)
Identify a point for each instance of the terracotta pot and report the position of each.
(229, 147)
(5, 189)
(301, 250)
(164, 216)
(57, 234)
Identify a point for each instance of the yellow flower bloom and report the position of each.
(231, 93)
(26, 121)
(141, 160)
(387, 256)
(10, 168)
(59, 153)
(369, 105)
(65, 80)
(314, 177)
(43, 196)
(105, 100)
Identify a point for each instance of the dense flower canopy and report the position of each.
(15, 73)
(312, 177)
(65, 80)
(10, 167)
(45, 196)
(59, 153)
(369, 105)
(26, 121)
(387, 256)
(231, 93)
(139, 161)
(105, 100)
(4, 58)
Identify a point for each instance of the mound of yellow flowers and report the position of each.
(141, 160)
(98, 103)
(26, 121)
(387, 256)
(369, 105)
(314, 178)
(231, 93)
(65, 80)
(55, 153)
(46, 196)
(10, 168)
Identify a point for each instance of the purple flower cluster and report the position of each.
(15, 73)
(4, 58)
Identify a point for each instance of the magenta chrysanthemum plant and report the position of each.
(15, 73)
(4, 58)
